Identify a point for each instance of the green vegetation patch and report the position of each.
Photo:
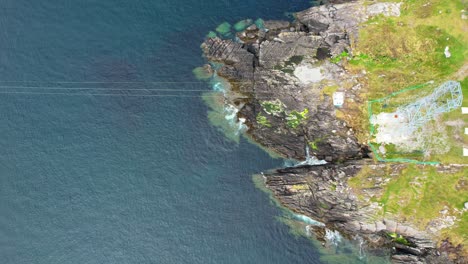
(397, 52)
(313, 144)
(397, 238)
(339, 57)
(294, 119)
(368, 178)
(273, 107)
(420, 193)
(393, 153)
(330, 89)
(262, 120)
(458, 234)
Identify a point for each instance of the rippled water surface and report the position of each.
(124, 176)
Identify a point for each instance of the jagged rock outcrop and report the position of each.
(284, 63)
(338, 24)
(279, 75)
(329, 199)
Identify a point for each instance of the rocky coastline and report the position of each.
(328, 198)
(281, 76)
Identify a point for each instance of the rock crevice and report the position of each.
(289, 112)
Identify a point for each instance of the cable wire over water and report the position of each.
(115, 89)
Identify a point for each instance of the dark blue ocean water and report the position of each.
(123, 178)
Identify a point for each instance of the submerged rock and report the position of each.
(243, 24)
(203, 73)
(260, 23)
(275, 63)
(329, 199)
(287, 111)
(211, 34)
(260, 72)
(224, 28)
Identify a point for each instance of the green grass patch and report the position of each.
(367, 179)
(329, 90)
(295, 118)
(262, 120)
(419, 193)
(313, 144)
(458, 234)
(339, 57)
(397, 238)
(273, 107)
(392, 152)
(399, 52)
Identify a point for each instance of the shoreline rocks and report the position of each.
(329, 199)
(297, 119)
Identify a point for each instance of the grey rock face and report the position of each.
(276, 64)
(276, 25)
(341, 21)
(238, 60)
(330, 200)
(287, 45)
(267, 66)
(263, 69)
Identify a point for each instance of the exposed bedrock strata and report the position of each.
(285, 65)
(253, 71)
(329, 199)
(261, 68)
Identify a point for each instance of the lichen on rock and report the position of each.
(282, 82)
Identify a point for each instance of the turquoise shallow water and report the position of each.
(124, 178)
